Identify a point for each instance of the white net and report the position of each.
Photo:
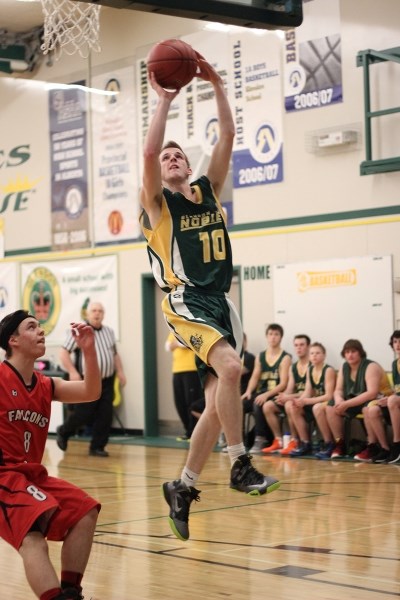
(70, 27)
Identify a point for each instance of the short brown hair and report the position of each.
(318, 345)
(395, 336)
(172, 144)
(354, 345)
(275, 327)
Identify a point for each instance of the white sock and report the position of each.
(189, 477)
(236, 451)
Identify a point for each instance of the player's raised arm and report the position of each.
(221, 155)
(151, 191)
(89, 389)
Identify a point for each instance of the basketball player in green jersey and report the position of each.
(296, 385)
(360, 380)
(270, 377)
(382, 412)
(394, 400)
(191, 259)
(320, 385)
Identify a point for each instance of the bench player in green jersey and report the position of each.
(382, 412)
(191, 259)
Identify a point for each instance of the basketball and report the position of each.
(173, 62)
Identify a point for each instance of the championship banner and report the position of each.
(257, 107)
(9, 298)
(201, 110)
(68, 157)
(115, 178)
(312, 58)
(58, 292)
(335, 300)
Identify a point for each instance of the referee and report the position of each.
(98, 414)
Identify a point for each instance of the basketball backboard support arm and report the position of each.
(260, 14)
(366, 58)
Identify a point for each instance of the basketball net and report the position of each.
(70, 27)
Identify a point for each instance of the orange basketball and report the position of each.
(173, 62)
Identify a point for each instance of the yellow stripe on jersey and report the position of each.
(159, 240)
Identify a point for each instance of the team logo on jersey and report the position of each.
(14, 392)
(42, 297)
(196, 341)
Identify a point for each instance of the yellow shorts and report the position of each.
(199, 319)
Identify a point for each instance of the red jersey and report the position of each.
(28, 495)
(24, 416)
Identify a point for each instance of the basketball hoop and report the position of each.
(70, 27)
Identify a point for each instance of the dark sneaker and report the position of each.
(339, 450)
(245, 478)
(99, 452)
(326, 452)
(382, 456)
(303, 449)
(394, 454)
(62, 440)
(179, 498)
(368, 454)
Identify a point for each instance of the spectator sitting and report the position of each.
(394, 400)
(296, 385)
(386, 409)
(320, 385)
(269, 378)
(359, 381)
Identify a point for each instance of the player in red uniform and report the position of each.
(34, 506)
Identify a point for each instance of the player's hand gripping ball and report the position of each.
(173, 62)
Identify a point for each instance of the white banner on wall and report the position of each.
(312, 59)
(333, 301)
(58, 292)
(24, 173)
(202, 131)
(257, 108)
(115, 178)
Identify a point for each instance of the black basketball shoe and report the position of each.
(245, 478)
(179, 498)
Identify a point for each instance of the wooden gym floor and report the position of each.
(332, 530)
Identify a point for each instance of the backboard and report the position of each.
(261, 14)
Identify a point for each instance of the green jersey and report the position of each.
(396, 376)
(190, 243)
(318, 386)
(270, 377)
(299, 380)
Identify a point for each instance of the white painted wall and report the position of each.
(313, 184)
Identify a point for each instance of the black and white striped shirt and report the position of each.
(105, 344)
